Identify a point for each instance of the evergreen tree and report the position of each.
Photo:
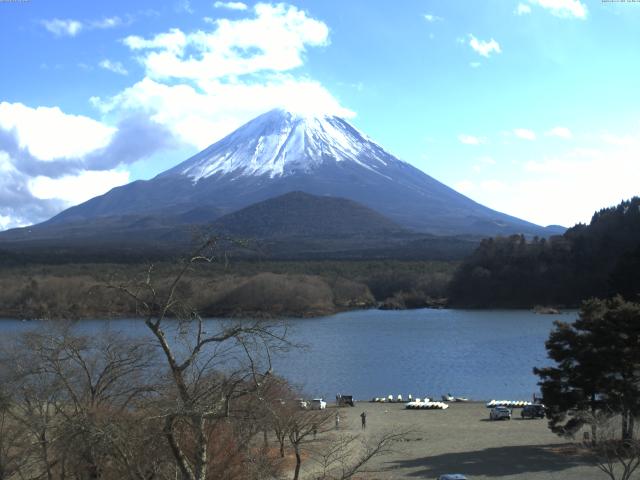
(597, 367)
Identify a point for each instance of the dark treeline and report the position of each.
(596, 260)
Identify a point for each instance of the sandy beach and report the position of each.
(462, 439)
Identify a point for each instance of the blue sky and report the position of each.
(529, 107)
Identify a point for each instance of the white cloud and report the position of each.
(484, 48)
(115, 67)
(563, 8)
(50, 159)
(471, 139)
(49, 133)
(174, 41)
(184, 6)
(522, 9)
(231, 5)
(561, 132)
(493, 185)
(201, 118)
(107, 22)
(274, 40)
(483, 163)
(203, 84)
(475, 64)
(538, 190)
(71, 28)
(61, 28)
(524, 134)
(432, 18)
(74, 189)
(6, 221)
(619, 140)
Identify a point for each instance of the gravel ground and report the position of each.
(462, 439)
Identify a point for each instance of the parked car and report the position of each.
(318, 404)
(533, 411)
(452, 476)
(342, 400)
(303, 404)
(500, 413)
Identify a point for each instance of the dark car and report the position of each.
(343, 400)
(532, 411)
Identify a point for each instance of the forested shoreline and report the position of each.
(237, 289)
(601, 259)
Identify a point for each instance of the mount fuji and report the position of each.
(274, 154)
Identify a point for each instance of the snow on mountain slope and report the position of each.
(280, 143)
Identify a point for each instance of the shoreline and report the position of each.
(261, 315)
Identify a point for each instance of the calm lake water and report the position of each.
(371, 353)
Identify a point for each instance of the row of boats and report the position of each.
(399, 399)
(427, 405)
(508, 403)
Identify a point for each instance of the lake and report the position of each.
(480, 354)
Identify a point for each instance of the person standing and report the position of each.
(363, 417)
(337, 420)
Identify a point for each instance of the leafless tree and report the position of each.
(304, 425)
(77, 398)
(33, 412)
(345, 456)
(14, 441)
(616, 457)
(211, 365)
(277, 407)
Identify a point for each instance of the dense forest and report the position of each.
(596, 260)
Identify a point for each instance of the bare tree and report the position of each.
(277, 407)
(34, 404)
(211, 365)
(345, 456)
(304, 425)
(616, 457)
(14, 441)
(78, 400)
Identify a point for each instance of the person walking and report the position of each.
(363, 417)
(337, 420)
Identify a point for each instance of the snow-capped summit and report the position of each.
(281, 142)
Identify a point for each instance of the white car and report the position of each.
(318, 404)
(500, 413)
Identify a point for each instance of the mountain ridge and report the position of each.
(297, 214)
(281, 152)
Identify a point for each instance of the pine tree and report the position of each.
(597, 367)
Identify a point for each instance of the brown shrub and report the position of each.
(279, 295)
